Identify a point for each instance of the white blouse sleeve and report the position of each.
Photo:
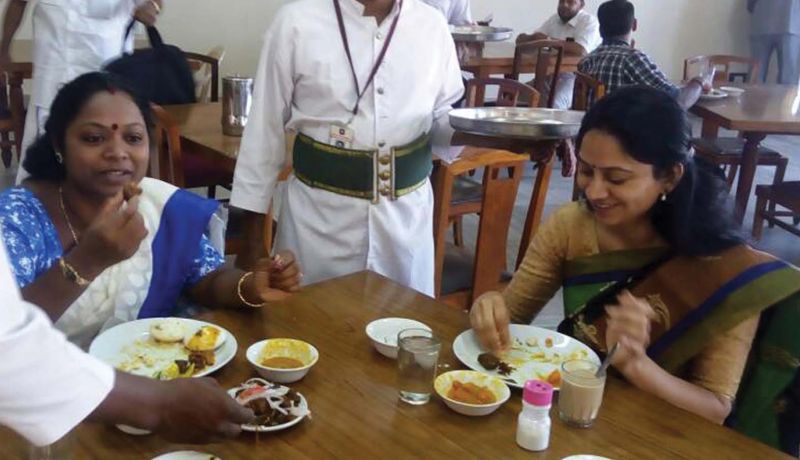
(47, 385)
(450, 92)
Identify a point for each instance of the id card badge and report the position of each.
(341, 136)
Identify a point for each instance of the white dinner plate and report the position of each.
(267, 429)
(530, 354)
(713, 95)
(117, 345)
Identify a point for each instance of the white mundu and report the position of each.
(304, 84)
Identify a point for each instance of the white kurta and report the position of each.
(457, 12)
(585, 30)
(70, 38)
(304, 84)
(47, 385)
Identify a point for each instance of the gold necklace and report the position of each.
(66, 216)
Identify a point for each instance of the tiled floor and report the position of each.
(775, 241)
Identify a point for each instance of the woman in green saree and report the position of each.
(652, 259)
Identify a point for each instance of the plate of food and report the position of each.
(165, 348)
(713, 95)
(276, 406)
(535, 354)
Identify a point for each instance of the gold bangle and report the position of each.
(71, 274)
(241, 297)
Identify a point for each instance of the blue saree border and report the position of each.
(183, 221)
(707, 307)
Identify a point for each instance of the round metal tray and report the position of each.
(517, 122)
(471, 33)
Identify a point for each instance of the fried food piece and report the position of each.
(505, 368)
(201, 359)
(488, 361)
(131, 190)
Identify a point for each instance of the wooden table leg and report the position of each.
(747, 172)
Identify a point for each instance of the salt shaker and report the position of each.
(533, 424)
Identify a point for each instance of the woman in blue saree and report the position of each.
(95, 243)
(652, 259)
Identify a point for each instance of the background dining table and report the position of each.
(355, 408)
(761, 110)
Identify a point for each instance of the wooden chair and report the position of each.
(783, 194)
(468, 193)
(547, 56)
(206, 73)
(183, 170)
(726, 152)
(460, 275)
(724, 65)
(588, 90)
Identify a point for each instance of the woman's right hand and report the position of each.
(490, 319)
(113, 236)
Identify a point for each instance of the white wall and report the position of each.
(669, 30)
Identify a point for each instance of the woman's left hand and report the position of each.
(628, 323)
(276, 278)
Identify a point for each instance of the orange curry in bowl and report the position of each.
(469, 393)
(281, 362)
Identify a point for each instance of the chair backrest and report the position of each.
(502, 174)
(588, 90)
(509, 92)
(166, 163)
(207, 85)
(725, 66)
(546, 56)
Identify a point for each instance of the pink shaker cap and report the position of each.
(538, 393)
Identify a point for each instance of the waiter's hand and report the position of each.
(148, 13)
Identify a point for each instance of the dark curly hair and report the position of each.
(697, 217)
(40, 158)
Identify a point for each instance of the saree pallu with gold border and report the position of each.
(696, 300)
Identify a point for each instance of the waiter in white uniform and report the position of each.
(364, 89)
(48, 385)
(70, 38)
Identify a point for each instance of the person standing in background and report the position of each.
(581, 33)
(775, 26)
(70, 38)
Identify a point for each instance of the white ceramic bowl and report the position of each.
(289, 348)
(732, 90)
(501, 392)
(383, 333)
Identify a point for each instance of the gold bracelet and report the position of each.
(71, 274)
(241, 297)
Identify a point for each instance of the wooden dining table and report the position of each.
(355, 411)
(760, 111)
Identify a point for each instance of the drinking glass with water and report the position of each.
(417, 359)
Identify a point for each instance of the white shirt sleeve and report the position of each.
(450, 92)
(47, 385)
(587, 32)
(262, 154)
(461, 13)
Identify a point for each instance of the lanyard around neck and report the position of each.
(359, 92)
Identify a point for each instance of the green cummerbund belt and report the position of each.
(363, 173)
